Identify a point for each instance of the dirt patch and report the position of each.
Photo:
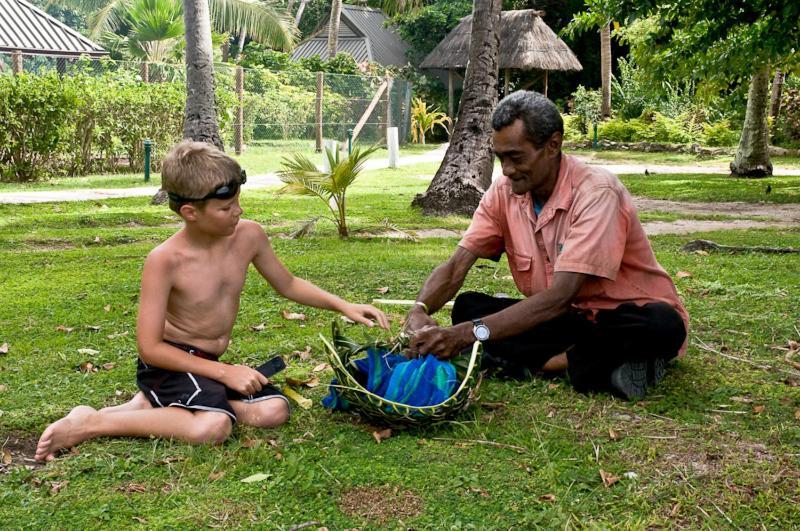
(687, 226)
(380, 504)
(785, 213)
(438, 233)
(20, 449)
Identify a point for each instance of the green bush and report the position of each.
(572, 128)
(719, 134)
(35, 112)
(587, 105)
(619, 130)
(787, 126)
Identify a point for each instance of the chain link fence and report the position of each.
(265, 105)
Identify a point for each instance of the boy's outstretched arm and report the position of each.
(156, 285)
(305, 292)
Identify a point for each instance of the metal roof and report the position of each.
(26, 28)
(362, 35)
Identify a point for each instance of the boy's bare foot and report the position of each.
(64, 433)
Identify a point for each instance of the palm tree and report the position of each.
(466, 171)
(153, 30)
(302, 177)
(333, 27)
(605, 68)
(200, 122)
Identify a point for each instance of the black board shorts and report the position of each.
(165, 388)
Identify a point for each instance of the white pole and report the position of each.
(328, 145)
(393, 143)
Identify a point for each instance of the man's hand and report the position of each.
(364, 314)
(444, 343)
(417, 319)
(243, 379)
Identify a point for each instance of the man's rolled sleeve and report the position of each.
(596, 239)
(484, 237)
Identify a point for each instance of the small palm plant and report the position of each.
(302, 177)
(424, 119)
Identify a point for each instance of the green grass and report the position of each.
(673, 159)
(78, 265)
(264, 157)
(718, 188)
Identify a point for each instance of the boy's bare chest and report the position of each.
(210, 280)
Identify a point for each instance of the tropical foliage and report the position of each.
(302, 177)
(424, 119)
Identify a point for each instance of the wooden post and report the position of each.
(145, 71)
(505, 82)
(239, 134)
(368, 112)
(318, 115)
(16, 62)
(389, 83)
(545, 83)
(450, 94)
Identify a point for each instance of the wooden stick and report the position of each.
(403, 302)
(483, 441)
(703, 346)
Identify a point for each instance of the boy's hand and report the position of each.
(364, 313)
(243, 379)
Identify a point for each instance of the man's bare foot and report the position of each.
(64, 433)
(139, 401)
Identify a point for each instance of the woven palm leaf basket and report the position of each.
(342, 352)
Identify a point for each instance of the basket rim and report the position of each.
(476, 347)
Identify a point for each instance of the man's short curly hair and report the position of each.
(539, 115)
(195, 169)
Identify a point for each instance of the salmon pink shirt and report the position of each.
(588, 225)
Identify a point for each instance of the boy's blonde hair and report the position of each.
(195, 169)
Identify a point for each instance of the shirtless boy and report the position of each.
(191, 285)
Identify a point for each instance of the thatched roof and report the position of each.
(526, 43)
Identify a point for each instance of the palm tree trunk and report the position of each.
(775, 97)
(299, 14)
(333, 27)
(242, 36)
(201, 115)
(752, 156)
(605, 69)
(466, 171)
(289, 6)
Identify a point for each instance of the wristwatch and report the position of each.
(480, 330)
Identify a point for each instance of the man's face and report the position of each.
(530, 169)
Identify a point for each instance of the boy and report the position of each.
(191, 286)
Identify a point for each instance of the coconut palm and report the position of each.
(302, 177)
(153, 30)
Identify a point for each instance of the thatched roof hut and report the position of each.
(526, 43)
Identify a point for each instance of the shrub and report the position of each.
(619, 130)
(587, 105)
(787, 128)
(719, 134)
(572, 128)
(34, 111)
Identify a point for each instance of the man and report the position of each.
(597, 305)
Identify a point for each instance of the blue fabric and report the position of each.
(537, 206)
(423, 381)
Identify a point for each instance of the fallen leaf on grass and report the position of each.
(56, 486)
(88, 351)
(612, 434)
(255, 478)
(548, 497)
(4, 348)
(258, 327)
(115, 336)
(3, 388)
(384, 290)
(321, 367)
(292, 316)
(380, 435)
(87, 366)
(7, 459)
(683, 274)
(608, 479)
(214, 476)
(107, 308)
(108, 366)
(758, 409)
(701, 252)
(62, 328)
(132, 488)
(252, 443)
(93, 328)
(797, 414)
(303, 354)
(309, 382)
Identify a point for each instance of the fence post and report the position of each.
(145, 71)
(318, 114)
(389, 83)
(239, 135)
(16, 62)
(406, 123)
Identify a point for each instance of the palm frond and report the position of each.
(108, 17)
(263, 20)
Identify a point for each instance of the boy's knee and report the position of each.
(273, 413)
(211, 428)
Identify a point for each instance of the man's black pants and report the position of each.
(594, 348)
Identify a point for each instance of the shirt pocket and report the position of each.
(521, 266)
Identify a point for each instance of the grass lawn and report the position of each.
(710, 187)
(718, 440)
(264, 157)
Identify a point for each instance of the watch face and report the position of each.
(481, 332)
